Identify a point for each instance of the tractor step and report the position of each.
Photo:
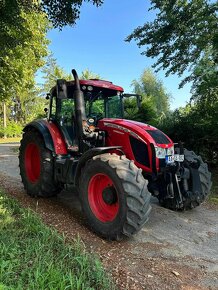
(65, 169)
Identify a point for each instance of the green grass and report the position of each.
(213, 197)
(9, 140)
(34, 256)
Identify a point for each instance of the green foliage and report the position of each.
(213, 197)
(183, 37)
(33, 256)
(149, 85)
(13, 129)
(19, 65)
(146, 113)
(63, 13)
(87, 75)
(205, 81)
(179, 34)
(23, 47)
(155, 99)
(59, 12)
(197, 127)
(51, 72)
(33, 108)
(13, 29)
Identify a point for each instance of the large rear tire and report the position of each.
(114, 196)
(37, 166)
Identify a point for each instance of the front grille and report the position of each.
(140, 151)
(162, 163)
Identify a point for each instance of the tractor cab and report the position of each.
(102, 99)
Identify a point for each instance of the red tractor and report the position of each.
(115, 163)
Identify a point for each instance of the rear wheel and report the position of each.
(36, 166)
(114, 196)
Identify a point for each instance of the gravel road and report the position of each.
(174, 250)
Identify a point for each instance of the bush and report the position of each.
(12, 130)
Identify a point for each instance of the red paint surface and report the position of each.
(99, 84)
(103, 211)
(120, 137)
(58, 140)
(32, 162)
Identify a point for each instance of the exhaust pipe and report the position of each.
(80, 113)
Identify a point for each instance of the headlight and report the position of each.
(160, 152)
(170, 151)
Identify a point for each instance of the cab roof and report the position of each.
(92, 85)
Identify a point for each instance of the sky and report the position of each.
(97, 43)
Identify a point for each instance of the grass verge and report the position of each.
(9, 140)
(34, 256)
(213, 197)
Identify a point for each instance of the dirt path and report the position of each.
(173, 250)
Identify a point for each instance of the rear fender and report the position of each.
(51, 134)
(88, 155)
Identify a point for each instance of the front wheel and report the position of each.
(191, 199)
(114, 196)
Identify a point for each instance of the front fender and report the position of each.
(88, 155)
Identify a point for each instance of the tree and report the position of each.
(19, 65)
(13, 29)
(62, 13)
(17, 33)
(153, 91)
(59, 12)
(197, 127)
(51, 72)
(146, 113)
(180, 35)
(87, 75)
(205, 83)
(19, 62)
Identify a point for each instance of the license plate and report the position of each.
(169, 159)
(179, 158)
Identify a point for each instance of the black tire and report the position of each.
(191, 202)
(205, 174)
(37, 166)
(127, 194)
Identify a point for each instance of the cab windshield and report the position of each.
(104, 107)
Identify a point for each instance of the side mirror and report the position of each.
(139, 101)
(47, 96)
(138, 98)
(61, 89)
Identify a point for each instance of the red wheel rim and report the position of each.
(100, 187)
(32, 162)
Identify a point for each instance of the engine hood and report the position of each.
(138, 130)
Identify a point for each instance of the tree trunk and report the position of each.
(4, 118)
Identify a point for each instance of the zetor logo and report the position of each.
(124, 130)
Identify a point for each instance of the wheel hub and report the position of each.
(103, 198)
(109, 195)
